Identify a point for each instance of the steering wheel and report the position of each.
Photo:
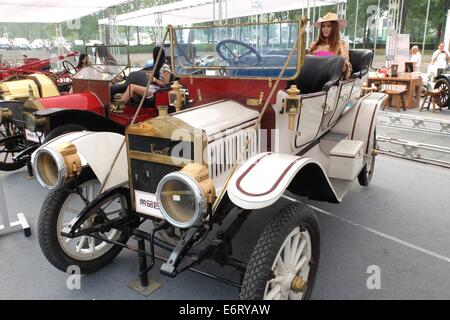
(232, 57)
(69, 67)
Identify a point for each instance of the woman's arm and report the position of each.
(166, 79)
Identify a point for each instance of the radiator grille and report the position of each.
(222, 154)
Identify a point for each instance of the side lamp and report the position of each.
(176, 96)
(292, 104)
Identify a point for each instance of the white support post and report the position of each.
(426, 27)
(356, 23)
(9, 227)
(447, 31)
(377, 22)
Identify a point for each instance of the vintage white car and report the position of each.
(260, 120)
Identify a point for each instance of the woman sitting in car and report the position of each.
(329, 42)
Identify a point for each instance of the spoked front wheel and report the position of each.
(12, 141)
(87, 252)
(284, 262)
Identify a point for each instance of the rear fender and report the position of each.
(263, 179)
(97, 150)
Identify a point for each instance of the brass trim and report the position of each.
(151, 157)
(34, 105)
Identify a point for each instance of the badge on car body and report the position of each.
(146, 203)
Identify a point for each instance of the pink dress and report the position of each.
(324, 53)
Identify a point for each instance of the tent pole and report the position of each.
(447, 31)
(377, 21)
(401, 18)
(426, 26)
(356, 23)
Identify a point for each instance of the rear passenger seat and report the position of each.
(361, 59)
(319, 73)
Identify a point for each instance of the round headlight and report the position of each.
(181, 200)
(50, 168)
(33, 123)
(30, 121)
(5, 115)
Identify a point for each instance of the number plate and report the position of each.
(32, 136)
(146, 203)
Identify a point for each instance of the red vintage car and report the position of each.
(87, 108)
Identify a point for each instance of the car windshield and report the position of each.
(106, 63)
(242, 51)
(108, 55)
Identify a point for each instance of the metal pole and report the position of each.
(377, 21)
(426, 26)
(314, 15)
(401, 17)
(356, 22)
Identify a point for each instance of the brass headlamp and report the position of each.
(292, 104)
(5, 115)
(176, 96)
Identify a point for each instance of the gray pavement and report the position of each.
(400, 224)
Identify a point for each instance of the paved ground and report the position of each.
(400, 224)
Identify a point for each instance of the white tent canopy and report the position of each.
(50, 11)
(196, 11)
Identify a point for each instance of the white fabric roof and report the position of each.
(195, 11)
(50, 11)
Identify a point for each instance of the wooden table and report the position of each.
(413, 85)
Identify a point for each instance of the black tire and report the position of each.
(62, 130)
(11, 147)
(444, 85)
(259, 271)
(47, 233)
(366, 174)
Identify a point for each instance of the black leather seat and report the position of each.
(361, 60)
(319, 73)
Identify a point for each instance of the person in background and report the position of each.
(440, 57)
(416, 57)
(329, 41)
(83, 61)
(160, 79)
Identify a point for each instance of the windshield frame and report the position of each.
(301, 41)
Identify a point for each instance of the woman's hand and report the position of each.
(347, 65)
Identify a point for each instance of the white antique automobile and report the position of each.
(258, 120)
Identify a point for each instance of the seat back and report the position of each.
(361, 60)
(319, 73)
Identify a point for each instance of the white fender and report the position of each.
(263, 179)
(98, 150)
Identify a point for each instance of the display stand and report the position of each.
(9, 227)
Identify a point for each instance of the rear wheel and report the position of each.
(443, 85)
(366, 174)
(284, 262)
(12, 142)
(88, 253)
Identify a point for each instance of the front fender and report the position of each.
(263, 179)
(97, 150)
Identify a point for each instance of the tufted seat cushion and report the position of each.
(361, 59)
(319, 73)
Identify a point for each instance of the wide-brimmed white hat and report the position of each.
(330, 16)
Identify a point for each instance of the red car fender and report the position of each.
(86, 101)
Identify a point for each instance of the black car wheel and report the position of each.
(284, 262)
(58, 211)
(12, 142)
(443, 85)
